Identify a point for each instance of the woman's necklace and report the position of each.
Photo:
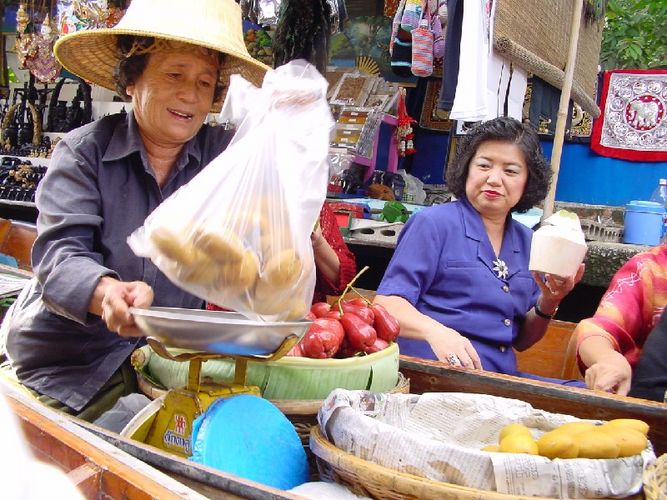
(500, 268)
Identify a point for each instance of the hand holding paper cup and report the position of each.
(558, 246)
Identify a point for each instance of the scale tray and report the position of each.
(220, 332)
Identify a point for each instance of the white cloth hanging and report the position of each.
(486, 80)
(470, 97)
(506, 85)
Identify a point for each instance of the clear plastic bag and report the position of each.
(238, 234)
(414, 188)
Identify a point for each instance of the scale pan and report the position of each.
(220, 332)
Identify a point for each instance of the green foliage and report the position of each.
(635, 34)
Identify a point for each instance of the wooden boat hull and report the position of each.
(97, 469)
(435, 376)
(103, 464)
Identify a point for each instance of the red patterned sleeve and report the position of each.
(348, 265)
(631, 306)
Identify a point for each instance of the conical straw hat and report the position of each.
(215, 24)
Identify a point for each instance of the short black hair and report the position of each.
(508, 130)
(130, 68)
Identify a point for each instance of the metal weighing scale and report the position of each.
(198, 336)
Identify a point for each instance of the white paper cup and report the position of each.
(557, 251)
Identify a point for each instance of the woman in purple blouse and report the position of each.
(458, 282)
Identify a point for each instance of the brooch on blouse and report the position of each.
(500, 268)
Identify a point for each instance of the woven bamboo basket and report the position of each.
(655, 479)
(368, 479)
(303, 413)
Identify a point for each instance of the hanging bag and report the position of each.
(422, 50)
(400, 45)
(438, 35)
(412, 13)
(401, 55)
(396, 25)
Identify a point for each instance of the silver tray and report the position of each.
(220, 332)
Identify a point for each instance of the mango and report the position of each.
(491, 447)
(630, 441)
(631, 423)
(283, 269)
(172, 245)
(511, 429)
(519, 442)
(573, 428)
(556, 444)
(596, 444)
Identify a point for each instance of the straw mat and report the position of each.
(536, 36)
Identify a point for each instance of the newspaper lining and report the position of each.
(439, 435)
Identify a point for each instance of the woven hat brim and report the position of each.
(92, 55)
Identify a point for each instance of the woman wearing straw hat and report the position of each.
(69, 335)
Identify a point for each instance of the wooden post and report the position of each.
(563, 107)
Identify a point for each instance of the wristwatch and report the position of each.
(542, 314)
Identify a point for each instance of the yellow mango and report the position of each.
(596, 444)
(630, 441)
(519, 442)
(491, 447)
(630, 423)
(573, 428)
(511, 429)
(556, 444)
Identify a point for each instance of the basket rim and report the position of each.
(312, 406)
(338, 459)
(294, 406)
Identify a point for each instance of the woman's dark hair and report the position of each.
(133, 52)
(508, 130)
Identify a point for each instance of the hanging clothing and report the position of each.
(450, 71)
(506, 88)
(470, 95)
(544, 103)
(488, 85)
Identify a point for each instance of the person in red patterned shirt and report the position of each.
(335, 263)
(609, 344)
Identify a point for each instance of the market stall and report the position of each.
(251, 390)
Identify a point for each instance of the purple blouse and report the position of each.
(444, 265)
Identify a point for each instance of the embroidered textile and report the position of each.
(633, 124)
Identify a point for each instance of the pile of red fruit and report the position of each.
(346, 328)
